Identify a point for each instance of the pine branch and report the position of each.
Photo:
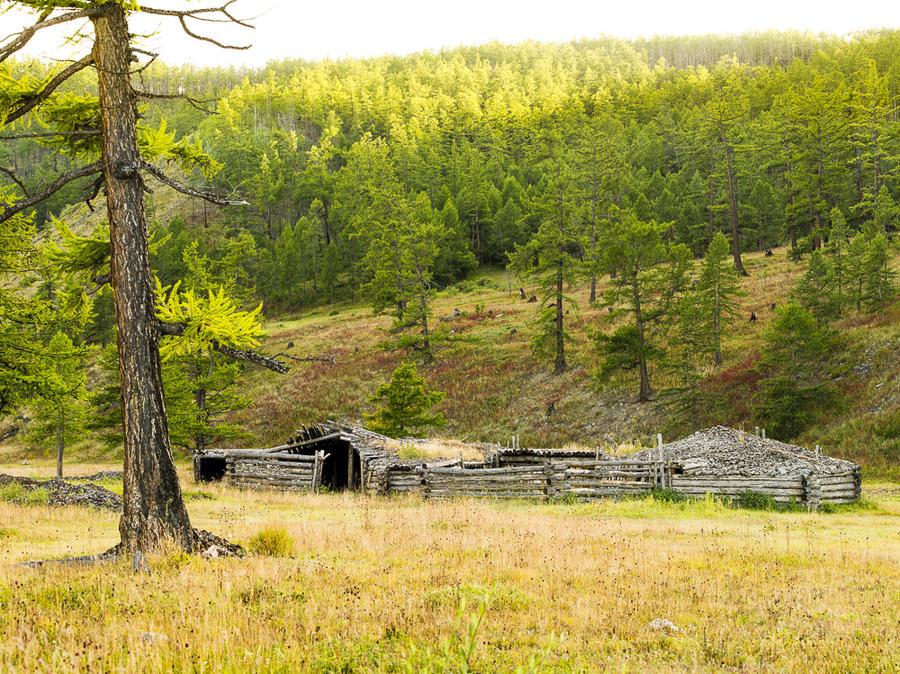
(58, 184)
(177, 329)
(21, 38)
(211, 197)
(32, 101)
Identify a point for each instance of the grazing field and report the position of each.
(371, 584)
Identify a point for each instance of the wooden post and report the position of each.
(763, 433)
(661, 478)
(351, 473)
(317, 471)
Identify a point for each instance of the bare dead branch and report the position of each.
(15, 179)
(32, 101)
(197, 36)
(198, 14)
(58, 184)
(94, 191)
(202, 15)
(21, 38)
(309, 359)
(211, 197)
(99, 281)
(194, 102)
(177, 329)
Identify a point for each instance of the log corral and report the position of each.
(719, 461)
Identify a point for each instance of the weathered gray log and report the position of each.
(484, 471)
(737, 491)
(736, 480)
(303, 443)
(262, 455)
(538, 495)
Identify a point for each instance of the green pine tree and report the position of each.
(60, 409)
(404, 404)
(795, 384)
(879, 285)
(644, 288)
(717, 288)
(816, 290)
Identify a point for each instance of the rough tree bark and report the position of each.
(153, 507)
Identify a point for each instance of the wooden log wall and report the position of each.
(599, 483)
(551, 480)
(782, 489)
(838, 488)
(528, 482)
(278, 470)
(813, 489)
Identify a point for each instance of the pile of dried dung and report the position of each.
(727, 451)
(62, 493)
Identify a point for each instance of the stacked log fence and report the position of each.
(546, 481)
(274, 470)
(524, 482)
(602, 479)
(782, 489)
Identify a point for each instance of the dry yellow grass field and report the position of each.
(377, 584)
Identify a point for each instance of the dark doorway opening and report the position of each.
(341, 469)
(209, 467)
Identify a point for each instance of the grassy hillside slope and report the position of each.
(496, 388)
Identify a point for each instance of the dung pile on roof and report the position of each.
(726, 451)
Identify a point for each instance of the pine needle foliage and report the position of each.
(405, 404)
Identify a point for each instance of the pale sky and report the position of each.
(353, 28)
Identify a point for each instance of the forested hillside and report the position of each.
(624, 184)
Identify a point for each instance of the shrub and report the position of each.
(37, 496)
(12, 492)
(667, 495)
(272, 542)
(755, 500)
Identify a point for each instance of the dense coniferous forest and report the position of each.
(386, 179)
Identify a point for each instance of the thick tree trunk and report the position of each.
(153, 507)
